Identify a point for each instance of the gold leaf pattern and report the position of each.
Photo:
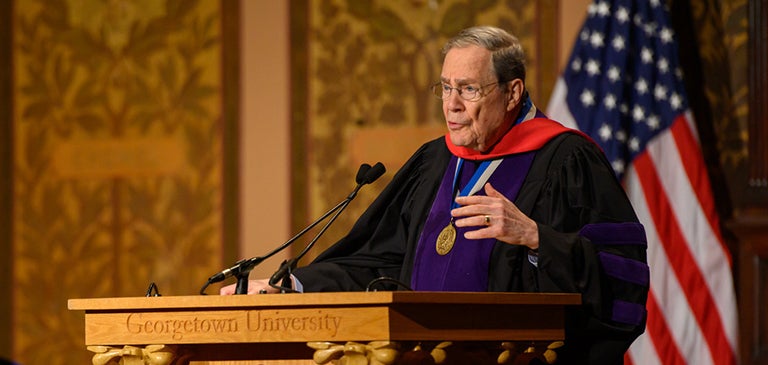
(721, 23)
(130, 91)
(721, 30)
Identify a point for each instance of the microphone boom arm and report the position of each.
(241, 269)
(284, 272)
(287, 266)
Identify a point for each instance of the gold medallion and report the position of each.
(445, 240)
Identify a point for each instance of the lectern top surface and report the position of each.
(326, 299)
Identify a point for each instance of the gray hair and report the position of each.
(508, 57)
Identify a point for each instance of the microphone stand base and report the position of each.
(242, 283)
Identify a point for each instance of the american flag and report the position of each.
(623, 86)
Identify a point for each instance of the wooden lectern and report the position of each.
(318, 326)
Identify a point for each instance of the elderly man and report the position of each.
(508, 201)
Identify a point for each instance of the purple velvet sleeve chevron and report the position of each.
(619, 267)
(615, 233)
(626, 312)
(622, 268)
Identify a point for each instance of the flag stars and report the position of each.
(638, 114)
(646, 55)
(593, 67)
(596, 39)
(618, 43)
(666, 35)
(614, 74)
(618, 166)
(587, 98)
(650, 28)
(576, 65)
(675, 101)
(663, 65)
(641, 86)
(653, 122)
(605, 132)
(624, 82)
(622, 15)
(603, 9)
(621, 136)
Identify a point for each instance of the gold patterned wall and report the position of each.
(722, 30)
(117, 161)
(370, 65)
(727, 22)
(718, 40)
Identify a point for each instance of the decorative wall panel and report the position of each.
(118, 162)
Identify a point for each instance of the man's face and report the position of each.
(480, 123)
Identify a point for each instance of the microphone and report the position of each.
(361, 173)
(374, 173)
(365, 175)
(239, 267)
(284, 271)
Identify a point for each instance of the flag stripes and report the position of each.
(672, 329)
(697, 174)
(677, 244)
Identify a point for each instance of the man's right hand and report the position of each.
(260, 286)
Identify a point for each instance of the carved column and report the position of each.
(752, 230)
(750, 223)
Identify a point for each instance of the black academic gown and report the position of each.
(569, 184)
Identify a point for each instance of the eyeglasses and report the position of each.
(466, 92)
